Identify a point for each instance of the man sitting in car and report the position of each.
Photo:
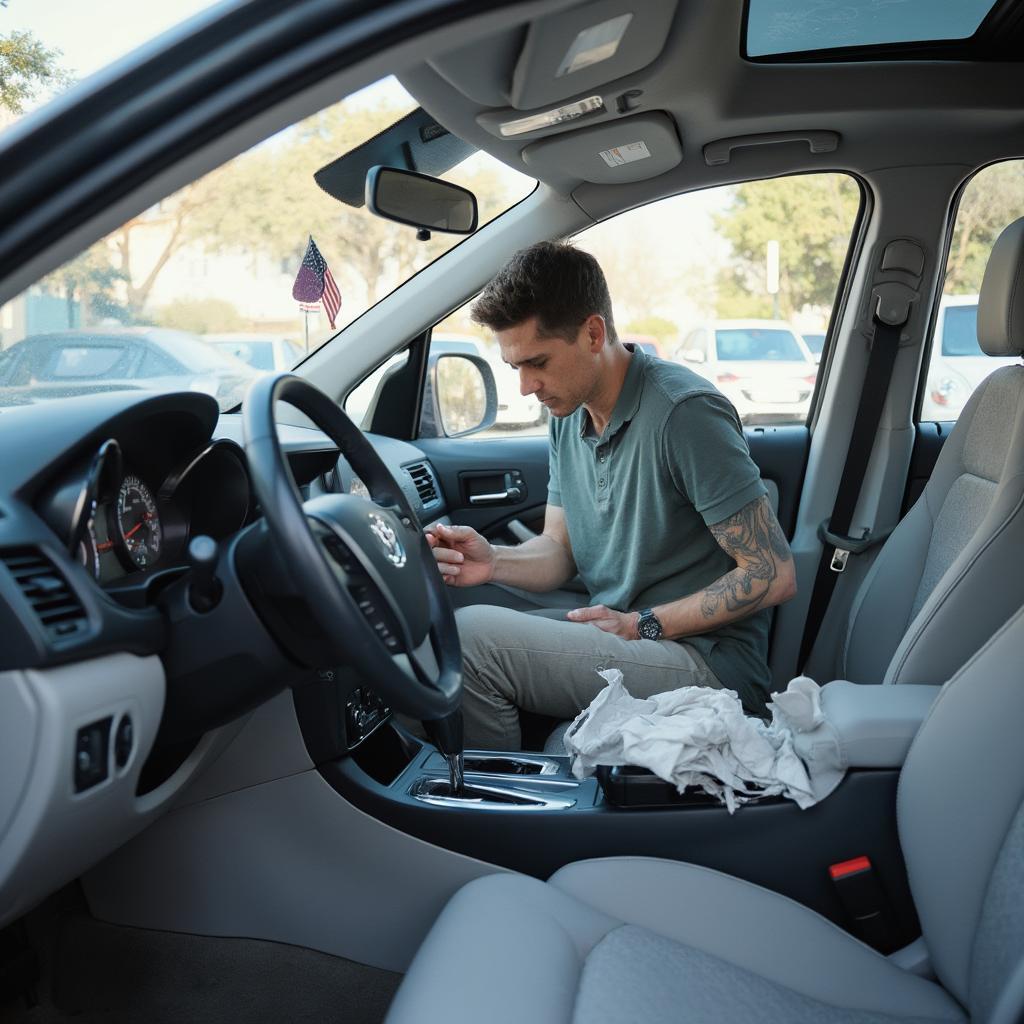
(653, 499)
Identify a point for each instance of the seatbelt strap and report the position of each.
(839, 545)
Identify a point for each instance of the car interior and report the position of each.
(218, 620)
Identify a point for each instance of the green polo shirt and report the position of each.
(638, 501)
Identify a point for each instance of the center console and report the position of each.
(527, 812)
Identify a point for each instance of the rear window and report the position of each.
(753, 344)
(80, 361)
(960, 331)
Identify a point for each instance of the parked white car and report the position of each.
(762, 366)
(957, 365)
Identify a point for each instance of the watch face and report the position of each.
(649, 628)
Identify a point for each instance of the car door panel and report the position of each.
(780, 452)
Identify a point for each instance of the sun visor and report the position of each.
(415, 143)
(627, 149)
(561, 55)
(569, 53)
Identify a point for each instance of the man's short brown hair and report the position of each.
(555, 282)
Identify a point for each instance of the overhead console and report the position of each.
(570, 86)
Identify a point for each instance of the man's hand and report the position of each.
(622, 624)
(464, 557)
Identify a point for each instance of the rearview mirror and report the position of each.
(692, 355)
(420, 200)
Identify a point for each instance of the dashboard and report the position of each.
(116, 690)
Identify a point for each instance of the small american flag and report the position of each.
(315, 283)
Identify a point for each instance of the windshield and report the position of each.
(750, 343)
(220, 260)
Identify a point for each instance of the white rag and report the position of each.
(696, 736)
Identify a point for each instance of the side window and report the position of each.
(360, 399)
(156, 364)
(737, 273)
(956, 365)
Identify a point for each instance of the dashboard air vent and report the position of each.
(54, 602)
(424, 481)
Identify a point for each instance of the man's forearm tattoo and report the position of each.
(755, 541)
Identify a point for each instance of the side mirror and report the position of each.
(460, 396)
(693, 355)
(420, 200)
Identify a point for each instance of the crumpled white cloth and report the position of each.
(696, 736)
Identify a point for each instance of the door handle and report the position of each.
(508, 495)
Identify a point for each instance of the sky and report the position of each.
(93, 33)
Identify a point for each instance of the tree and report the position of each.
(993, 199)
(90, 285)
(26, 68)
(656, 326)
(200, 316)
(811, 216)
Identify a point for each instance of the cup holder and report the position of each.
(439, 793)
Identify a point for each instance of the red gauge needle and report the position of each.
(135, 529)
(106, 546)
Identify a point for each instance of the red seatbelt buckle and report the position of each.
(862, 896)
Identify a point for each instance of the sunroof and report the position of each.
(793, 26)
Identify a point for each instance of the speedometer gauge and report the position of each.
(138, 522)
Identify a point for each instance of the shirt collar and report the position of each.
(628, 401)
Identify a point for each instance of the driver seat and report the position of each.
(640, 939)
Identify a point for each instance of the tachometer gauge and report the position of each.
(138, 522)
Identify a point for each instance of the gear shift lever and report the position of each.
(446, 735)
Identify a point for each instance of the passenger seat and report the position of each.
(951, 571)
(642, 939)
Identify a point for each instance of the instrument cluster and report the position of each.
(125, 522)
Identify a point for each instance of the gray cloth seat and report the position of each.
(944, 580)
(637, 939)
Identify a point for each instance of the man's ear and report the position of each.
(597, 332)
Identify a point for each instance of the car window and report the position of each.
(751, 343)
(156, 364)
(956, 364)
(960, 331)
(220, 259)
(747, 267)
(76, 361)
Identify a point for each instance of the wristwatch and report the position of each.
(648, 626)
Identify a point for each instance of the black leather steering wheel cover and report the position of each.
(347, 632)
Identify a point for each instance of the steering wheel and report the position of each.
(363, 566)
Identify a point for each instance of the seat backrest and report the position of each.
(960, 809)
(948, 576)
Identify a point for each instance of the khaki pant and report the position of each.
(514, 660)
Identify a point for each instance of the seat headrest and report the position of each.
(1001, 303)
